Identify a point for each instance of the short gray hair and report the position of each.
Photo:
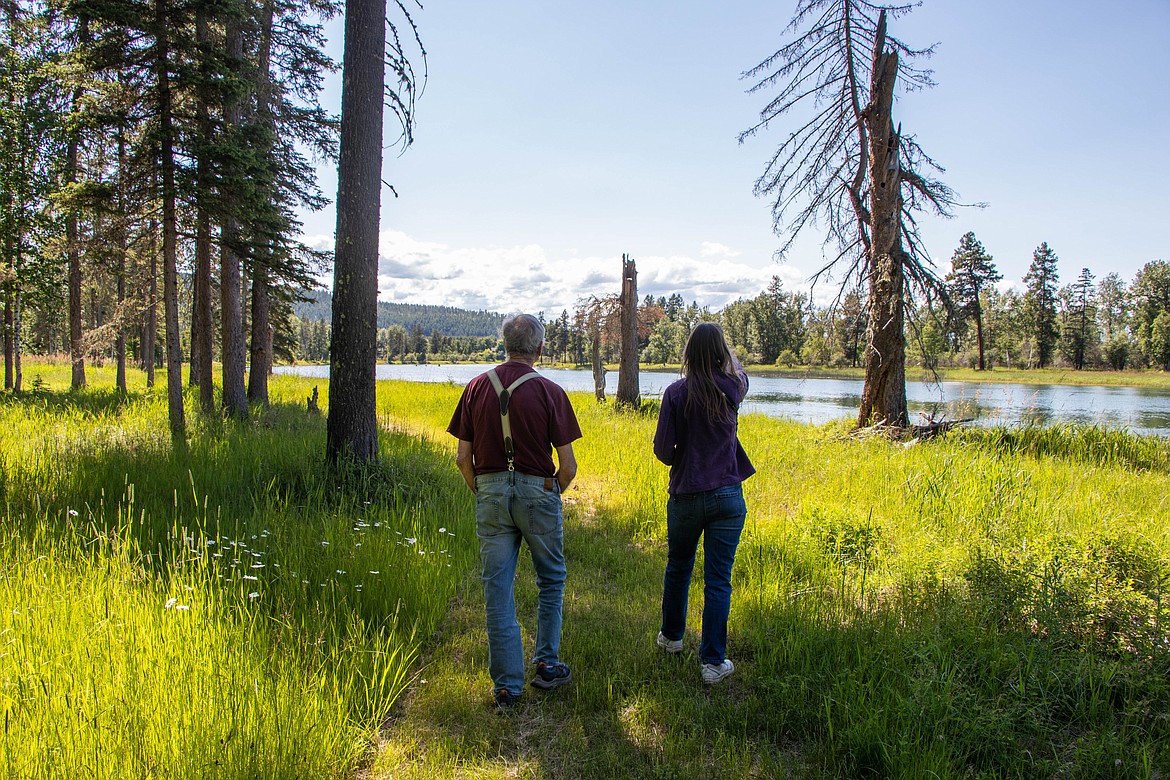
(522, 333)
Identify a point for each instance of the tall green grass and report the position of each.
(990, 604)
(232, 610)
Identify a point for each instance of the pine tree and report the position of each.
(1079, 319)
(972, 272)
(1040, 303)
(31, 140)
(1151, 300)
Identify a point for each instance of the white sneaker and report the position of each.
(713, 673)
(669, 645)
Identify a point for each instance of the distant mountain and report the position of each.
(447, 320)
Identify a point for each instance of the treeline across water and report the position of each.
(1110, 324)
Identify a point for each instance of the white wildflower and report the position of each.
(170, 603)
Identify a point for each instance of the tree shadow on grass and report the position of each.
(97, 402)
(252, 508)
(630, 711)
(911, 685)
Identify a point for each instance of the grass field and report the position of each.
(992, 604)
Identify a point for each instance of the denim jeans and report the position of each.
(510, 507)
(718, 516)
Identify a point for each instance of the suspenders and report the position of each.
(505, 395)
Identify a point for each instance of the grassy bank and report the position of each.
(234, 611)
(992, 604)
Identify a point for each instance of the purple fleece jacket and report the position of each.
(702, 455)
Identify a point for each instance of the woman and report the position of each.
(696, 437)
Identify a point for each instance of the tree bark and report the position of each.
(178, 423)
(352, 429)
(120, 343)
(883, 398)
(201, 315)
(73, 251)
(235, 400)
(9, 354)
(150, 326)
(261, 362)
(979, 332)
(18, 373)
(627, 390)
(598, 368)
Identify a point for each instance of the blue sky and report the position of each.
(554, 136)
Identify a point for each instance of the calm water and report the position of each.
(818, 401)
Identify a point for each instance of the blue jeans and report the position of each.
(718, 516)
(510, 507)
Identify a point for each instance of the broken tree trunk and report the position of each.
(627, 389)
(883, 399)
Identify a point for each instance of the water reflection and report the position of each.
(813, 400)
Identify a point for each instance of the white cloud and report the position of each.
(713, 249)
(529, 277)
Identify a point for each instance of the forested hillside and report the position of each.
(445, 319)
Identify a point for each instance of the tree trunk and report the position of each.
(9, 355)
(883, 398)
(627, 390)
(18, 374)
(598, 368)
(120, 340)
(201, 315)
(235, 400)
(150, 328)
(261, 331)
(120, 343)
(261, 363)
(73, 251)
(979, 333)
(352, 428)
(169, 231)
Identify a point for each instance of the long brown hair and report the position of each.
(706, 356)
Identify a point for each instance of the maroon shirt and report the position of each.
(540, 414)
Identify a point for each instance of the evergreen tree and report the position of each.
(1078, 331)
(1040, 303)
(31, 140)
(972, 272)
(1113, 315)
(1151, 299)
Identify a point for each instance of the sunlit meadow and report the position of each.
(988, 604)
(232, 611)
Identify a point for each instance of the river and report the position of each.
(1140, 410)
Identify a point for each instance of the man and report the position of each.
(507, 462)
